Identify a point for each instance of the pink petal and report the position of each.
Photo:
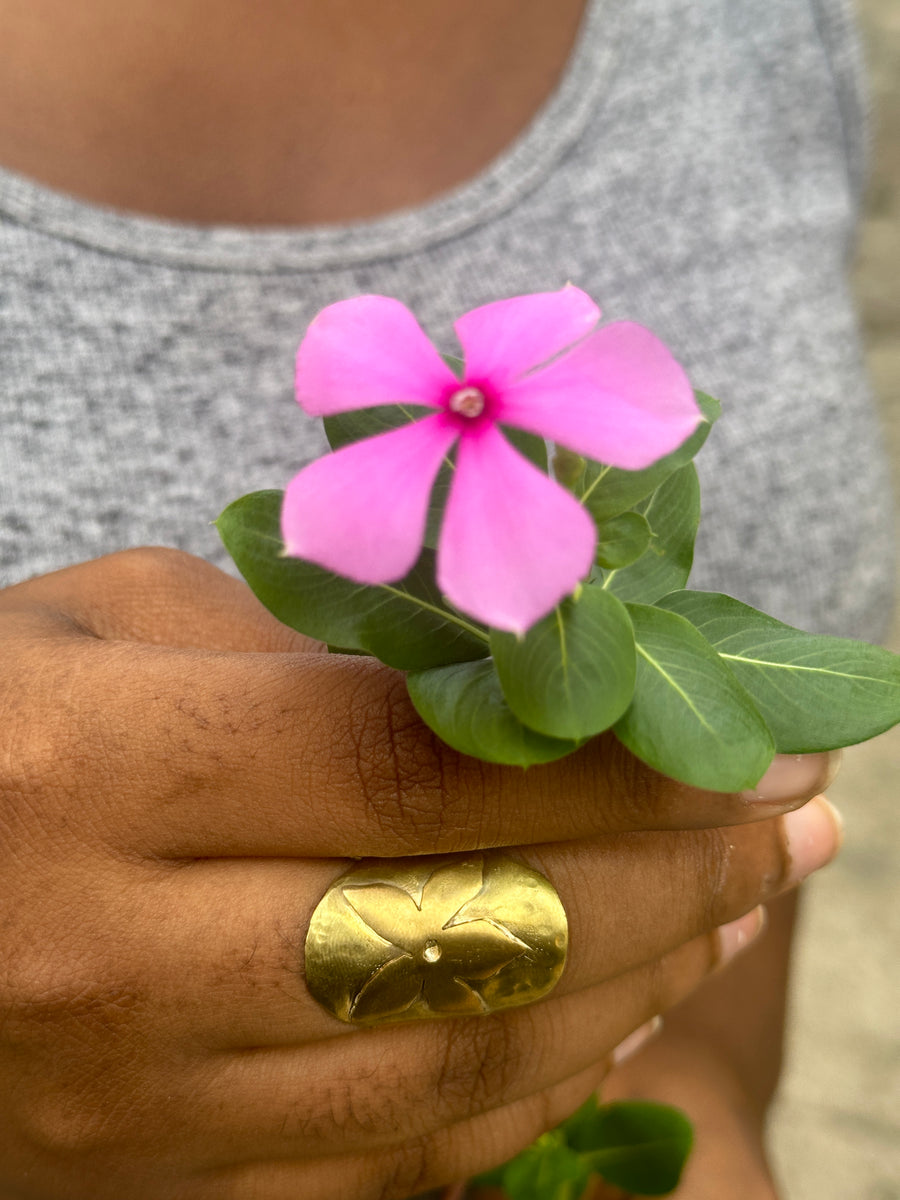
(361, 511)
(503, 340)
(513, 542)
(366, 351)
(618, 397)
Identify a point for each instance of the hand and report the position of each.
(181, 780)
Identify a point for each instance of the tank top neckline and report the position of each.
(512, 175)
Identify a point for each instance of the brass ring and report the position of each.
(435, 937)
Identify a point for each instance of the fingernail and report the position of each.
(737, 935)
(795, 778)
(813, 835)
(636, 1040)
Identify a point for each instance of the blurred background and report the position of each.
(836, 1128)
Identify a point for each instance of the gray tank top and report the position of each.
(698, 169)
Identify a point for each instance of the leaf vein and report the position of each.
(674, 685)
(768, 663)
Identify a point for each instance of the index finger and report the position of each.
(194, 723)
(197, 753)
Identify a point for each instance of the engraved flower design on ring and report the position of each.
(436, 954)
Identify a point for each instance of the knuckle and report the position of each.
(641, 795)
(54, 755)
(478, 1064)
(33, 788)
(159, 567)
(59, 1124)
(45, 1000)
(31, 757)
(457, 1070)
(637, 797)
(369, 1106)
(78, 1033)
(413, 789)
(142, 585)
(406, 1170)
(59, 997)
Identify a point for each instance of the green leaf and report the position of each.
(673, 514)
(464, 705)
(622, 540)
(548, 1170)
(815, 692)
(572, 674)
(529, 445)
(583, 1130)
(343, 428)
(489, 1179)
(438, 502)
(690, 718)
(405, 624)
(568, 467)
(635, 1145)
(607, 491)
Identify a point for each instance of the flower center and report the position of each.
(432, 952)
(467, 402)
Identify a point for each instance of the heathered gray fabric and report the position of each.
(698, 169)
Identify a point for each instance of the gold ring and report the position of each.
(435, 937)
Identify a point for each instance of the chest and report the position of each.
(310, 112)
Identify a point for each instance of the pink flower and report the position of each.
(513, 542)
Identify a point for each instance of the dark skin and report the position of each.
(181, 778)
(293, 113)
(285, 112)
